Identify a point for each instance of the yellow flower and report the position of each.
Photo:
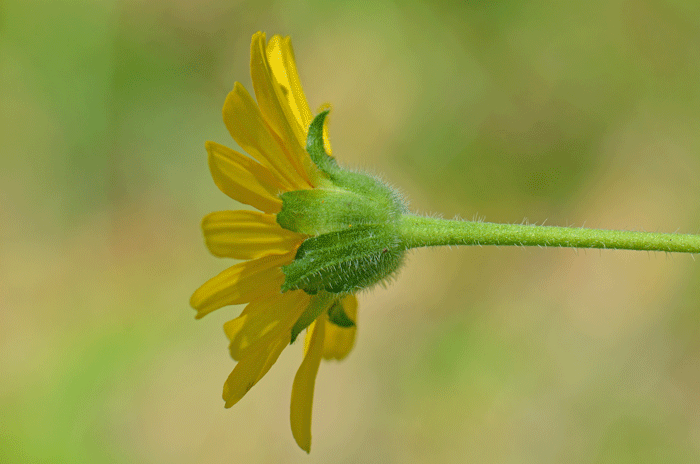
(273, 132)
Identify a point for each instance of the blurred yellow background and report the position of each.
(571, 113)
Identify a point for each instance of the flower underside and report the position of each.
(322, 233)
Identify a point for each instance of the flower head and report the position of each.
(303, 259)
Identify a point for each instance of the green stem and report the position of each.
(417, 231)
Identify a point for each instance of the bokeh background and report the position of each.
(571, 113)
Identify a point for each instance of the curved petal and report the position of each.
(303, 387)
(326, 137)
(241, 283)
(264, 320)
(247, 235)
(326, 122)
(284, 71)
(276, 111)
(246, 125)
(340, 340)
(251, 369)
(243, 179)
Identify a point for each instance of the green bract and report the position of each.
(353, 221)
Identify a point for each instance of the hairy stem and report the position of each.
(417, 231)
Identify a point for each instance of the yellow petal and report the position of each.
(340, 340)
(326, 138)
(243, 179)
(276, 111)
(247, 235)
(250, 369)
(246, 125)
(241, 283)
(284, 71)
(303, 387)
(265, 320)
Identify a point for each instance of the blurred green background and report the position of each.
(566, 112)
